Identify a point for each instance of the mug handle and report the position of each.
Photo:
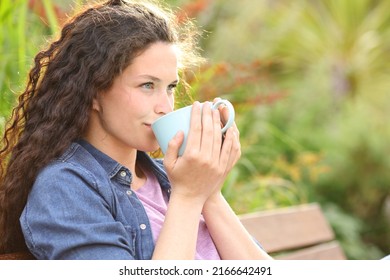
(230, 107)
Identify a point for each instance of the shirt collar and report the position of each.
(112, 167)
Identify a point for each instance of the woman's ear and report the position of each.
(95, 105)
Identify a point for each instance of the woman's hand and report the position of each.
(202, 169)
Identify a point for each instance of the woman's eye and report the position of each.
(148, 85)
(171, 88)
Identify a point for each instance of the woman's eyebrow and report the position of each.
(150, 77)
(155, 79)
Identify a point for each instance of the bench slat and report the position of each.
(17, 256)
(326, 251)
(289, 228)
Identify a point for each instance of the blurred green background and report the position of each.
(310, 81)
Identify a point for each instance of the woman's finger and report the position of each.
(207, 139)
(173, 150)
(217, 137)
(195, 132)
(231, 149)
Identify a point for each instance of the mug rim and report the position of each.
(166, 115)
(186, 107)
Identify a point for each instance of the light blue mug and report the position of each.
(166, 127)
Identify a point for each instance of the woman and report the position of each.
(78, 183)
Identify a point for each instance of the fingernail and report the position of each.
(178, 134)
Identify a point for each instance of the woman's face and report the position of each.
(122, 116)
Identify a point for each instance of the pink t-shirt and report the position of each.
(155, 204)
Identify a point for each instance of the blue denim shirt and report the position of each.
(81, 206)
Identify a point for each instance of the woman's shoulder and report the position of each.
(75, 157)
(74, 165)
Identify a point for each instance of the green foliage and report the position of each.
(25, 26)
(348, 231)
(21, 35)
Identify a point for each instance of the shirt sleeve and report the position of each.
(68, 216)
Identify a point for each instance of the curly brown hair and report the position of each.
(94, 47)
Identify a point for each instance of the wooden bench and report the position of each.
(17, 256)
(294, 233)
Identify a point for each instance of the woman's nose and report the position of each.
(165, 104)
